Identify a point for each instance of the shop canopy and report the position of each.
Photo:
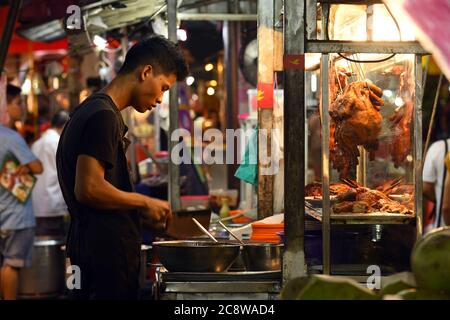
(20, 45)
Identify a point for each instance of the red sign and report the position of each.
(264, 96)
(294, 62)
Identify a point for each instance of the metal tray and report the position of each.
(221, 276)
(364, 218)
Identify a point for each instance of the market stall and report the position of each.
(370, 115)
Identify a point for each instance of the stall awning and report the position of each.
(20, 45)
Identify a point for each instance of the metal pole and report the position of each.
(326, 226)
(418, 96)
(230, 38)
(294, 137)
(217, 16)
(174, 170)
(8, 31)
(265, 116)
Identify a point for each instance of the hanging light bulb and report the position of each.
(190, 80)
(209, 67)
(181, 35)
(100, 42)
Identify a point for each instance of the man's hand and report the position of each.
(23, 170)
(157, 212)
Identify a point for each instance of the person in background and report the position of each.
(14, 107)
(16, 219)
(446, 197)
(434, 175)
(49, 206)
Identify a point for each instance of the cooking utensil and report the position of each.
(196, 256)
(204, 230)
(231, 232)
(262, 256)
(349, 182)
(259, 256)
(394, 184)
(311, 207)
(232, 217)
(46, 277)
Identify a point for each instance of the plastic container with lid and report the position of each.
(194, 202)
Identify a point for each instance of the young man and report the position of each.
(48, 203)
(434, 175)
(16, 219)
(105, 237)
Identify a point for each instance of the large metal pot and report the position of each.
(262, 256)
(46, 276)
(143, 272)
(196, 256)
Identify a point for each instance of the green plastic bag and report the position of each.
(248, 170)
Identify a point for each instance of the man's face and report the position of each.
(150, 90)
(15, 109)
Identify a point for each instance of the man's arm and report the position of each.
(34, 167)
(446, 190)
(428, 191)
(446, 201)
(93, 190)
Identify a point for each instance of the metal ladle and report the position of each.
(231, 232)
(204, 230)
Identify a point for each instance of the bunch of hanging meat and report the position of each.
(401, 118)
(355, 121)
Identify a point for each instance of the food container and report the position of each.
(194, 202)
(46, 276)
(143, 272)
(182, 226)
(196, 256)
(217, 195)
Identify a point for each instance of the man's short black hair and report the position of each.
(159, 52)
(12, 91)
(60, 118)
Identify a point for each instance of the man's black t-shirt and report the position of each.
(106, 242)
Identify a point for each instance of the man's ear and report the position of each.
(146, 71)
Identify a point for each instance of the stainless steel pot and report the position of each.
(46, 276)
(262, 256)
(196, 256)
(143, 269)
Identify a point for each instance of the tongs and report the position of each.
(350, 182)
(310, 207)
(394, 184)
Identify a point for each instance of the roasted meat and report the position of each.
(315, 189)
(403, 189)
(351, 207)
(401, 133)
(338, 188)
(374, 200)
(338, 81)
(355, 121)
(400, 146)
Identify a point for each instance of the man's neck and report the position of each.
(119, 89)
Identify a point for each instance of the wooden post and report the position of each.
(294, 137)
